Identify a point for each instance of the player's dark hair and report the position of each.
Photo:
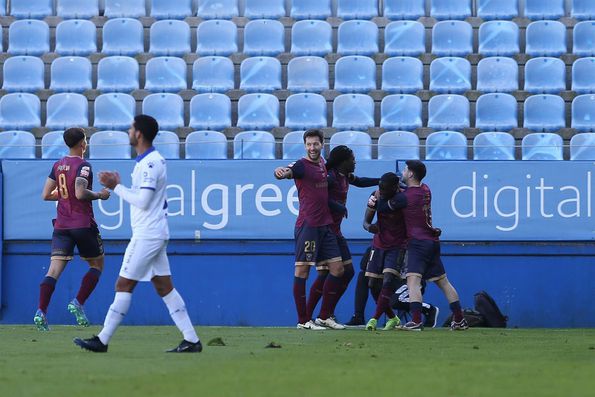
(418, 168)
(389, 179)
(314, 132)
(338, 155)
(147, 126)
(73, 136)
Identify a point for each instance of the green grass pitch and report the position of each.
(476, 363)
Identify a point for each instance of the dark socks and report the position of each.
(457, 313)
(46, 289)
(315, 294)
(330, 296)
(375, 291)
(299, 296)
(88, 284)
(383, 303)
(415, 311)
(361, 295)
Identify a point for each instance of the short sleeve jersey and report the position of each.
(337, 191)
(312, 186)
(418, 213)
(392, 233)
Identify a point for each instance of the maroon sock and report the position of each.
(315, 294)
(383, 304)
(415, 308)
(88, 285)
(345, 280)
(299, 296)
(46, 289)
(375, 291)
(457, 312)
(330, 296)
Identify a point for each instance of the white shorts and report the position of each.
(145, 259)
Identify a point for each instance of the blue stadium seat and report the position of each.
(452, 38)
(213, 74)
(77, 9)
(117, 74)
(310, 9)
(403, 75)
(450, 75)
(497, 9)
(357, 38)
(109, 145)
(124, 8)
(17, 145)
(217, 9)
(28, 37)
(20, 111)
(355, 73)
(583, 76)
(584, 39)
(448, 112)
(67, 110)
(544, 9)
(544, 113)
(545, 75)
(254, 145)
(167, 109)
(408, 10)
(258, 112)
(293, 145)
(450, 9)
(53, 145)
(303, 111)
(210, 111)
(353, 112)
(357, 9)
(168, 9)
(114, 111)
(496, 112)
(206, 145)
(3, 8)
(582, 147)
(123, 36)
(446, 145)
(404, 38)
(307, 74)
(311, 38)
(499, 38)
(38, 9)
(264, 37)
(1, 39)
(260, 74)
(359, 142)
(398, 145)
(216, 37)
(23, 74)
(546, 39)
(167, 144)
(401, 112)
(493, 146)
(76, 37)
(497, 74)
(264, 9)
(583, 113)
(169, 37)
(165, 74)
(71, 74)
(542, 146)
(582, 9)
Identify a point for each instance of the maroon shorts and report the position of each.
(87, 240)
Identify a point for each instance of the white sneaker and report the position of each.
(329, 323)
(311, 326)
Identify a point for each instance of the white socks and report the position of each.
(115, 315)
(177, 310)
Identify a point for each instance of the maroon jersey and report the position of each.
(312, 187)
(72, 212)
(392, 232)
(337, 192)
(418, 213)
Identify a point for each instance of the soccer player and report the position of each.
(315, 243)
(145, 257)
(70, 183)
(400, 302)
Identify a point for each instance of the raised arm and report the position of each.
(399, 201)
(292, 171)
(140, 198)
(363, 181)
(283, 173)
(82, 182)
(370, 213)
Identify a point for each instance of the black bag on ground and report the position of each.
(474, 319)
(487, 307)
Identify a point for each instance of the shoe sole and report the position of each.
(39, 323)
(81, 343)
(80, 319)
(436, 318)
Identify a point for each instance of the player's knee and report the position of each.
(336, 269)
(348, 271)
(374, 283)
(302, 271)
(390, 281)
(125, 285)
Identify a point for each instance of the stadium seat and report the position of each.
(353, 112)
(3, 8)
(583, 113)
(448, 112)
(497, 74)
(446, 145)
(542, 146)
(311, 38)
(398, 145)
(123, 36)
(583, 76)
(170, 38)
(260, 74)
(109, 145)
(38, 9)
(293, 145)
(28, 37)
(582, 147)
(67, 110)
(117, 74)
(303, 111)
(254, 145)
(76, 37)
(206, 145)
(213, 74)
(408, 10)
(53, 145)
(210, 111)
(20, 111)
(310, 9)
(544, 113)
(114, 111)
(546, 39)
(450, 75)
(452, 38)
(264, 37)
(217, 9)
(1, 39)
(404, 38)
(493, 146)
(584, 39)
(258, 112)
(307, 74)
(496, 112)
(582, 9)
(165, 74)
(17, 145)
(401, 112)
(545, 75)
(23, 74)
(544, 9)
(497, 9)
(357, 9)
(449, 9)
(71, 74)
(124, 8)
(264, 9)
(359, 142)
(167, 144)
(168, 9)
(402, 75)
(499, 38)
(77, 9)
(357, 38)
(355, 73)
(216, 37)
(167, 109)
